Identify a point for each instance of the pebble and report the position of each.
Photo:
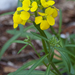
(3, 38)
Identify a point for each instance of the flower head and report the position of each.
(46, 19)
(20, 17)
(47, 3)
(28, 6)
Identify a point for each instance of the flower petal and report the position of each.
(49, 3)
(49, 11)
(23, 22)
(42, 14)
(43, 3)
(55, 13)
(19, 8)
(26, 4)
(25, 15)
(44, 25)
(38, 19)
(16, 18)
(15, 25)
(51, 20)
(34, 7)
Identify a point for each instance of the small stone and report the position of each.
(3, 38)
(13, 46)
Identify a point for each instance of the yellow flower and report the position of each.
(47, 3)
(28, 6)
(20, 17)
(46, 19)
(55, 13)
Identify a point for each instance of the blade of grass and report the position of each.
(23, 67)
(22, 48)
(35, 72)
(70, 45)
(48, 70)
(36, 64)
(19, 41)
(8, 13)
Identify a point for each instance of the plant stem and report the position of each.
(60, 22)
(43, 42)
(35, 13)
(54, 72)
(54, 67)
(45, 48)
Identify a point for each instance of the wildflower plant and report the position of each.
(44, 14)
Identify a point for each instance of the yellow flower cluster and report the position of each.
(45, 19)
(20, 17)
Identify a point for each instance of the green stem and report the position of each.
(35, 13)
(44, 35)
(54, 72)
(60, 22)
(54, 67)
(43, 42)
(45, 49)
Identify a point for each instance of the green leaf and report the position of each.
(56, 61)
(36, 64)
(24, 34)
(52, 54)
(21, 27)
(8, 43)
(23, 67)
(70, 45)
(22, 48)
(12, 31)
(30, 35)
(8, 13)
(65, 50)
(27, 28)
(48, 70)
(48, 34)
(72, 70)
(19, 41)
(35, 72)
(38, 35)
(66, 60)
